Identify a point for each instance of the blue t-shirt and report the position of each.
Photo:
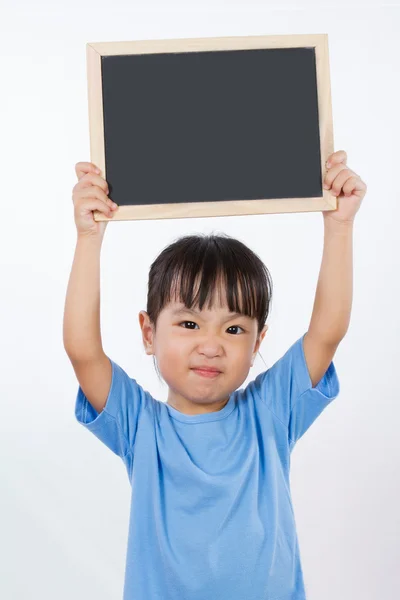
(211, 514)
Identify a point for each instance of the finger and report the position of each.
(81, 168)
(340, 180)
(353, 185)
(90, 180)
(94, 204)
(93, 192)
(350, 185)
(340, 156)
(333, 173)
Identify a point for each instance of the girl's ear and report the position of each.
(258, 343)
(262, 334)
(147, 331)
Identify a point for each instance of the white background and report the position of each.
(64, 497)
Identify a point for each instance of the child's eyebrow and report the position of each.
(180, 311)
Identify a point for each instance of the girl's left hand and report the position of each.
(349, 188)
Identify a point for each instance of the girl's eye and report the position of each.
(235, 327)
(193, 323)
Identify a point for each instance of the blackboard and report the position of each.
(211, 126)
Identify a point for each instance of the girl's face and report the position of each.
(186, 340)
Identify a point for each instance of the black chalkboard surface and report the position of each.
(213, 126)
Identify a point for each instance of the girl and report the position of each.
(211, 512)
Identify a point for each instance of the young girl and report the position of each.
(211, 512)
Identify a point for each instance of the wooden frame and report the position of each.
(94, 52)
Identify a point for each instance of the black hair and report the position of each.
(214, 263)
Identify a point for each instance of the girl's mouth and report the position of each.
(203, 373)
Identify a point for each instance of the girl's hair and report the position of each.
(215, 263)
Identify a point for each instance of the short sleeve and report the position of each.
(117, 423)
(287, 390)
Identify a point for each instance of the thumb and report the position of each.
(81, 168)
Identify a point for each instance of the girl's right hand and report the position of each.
(89, 194)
